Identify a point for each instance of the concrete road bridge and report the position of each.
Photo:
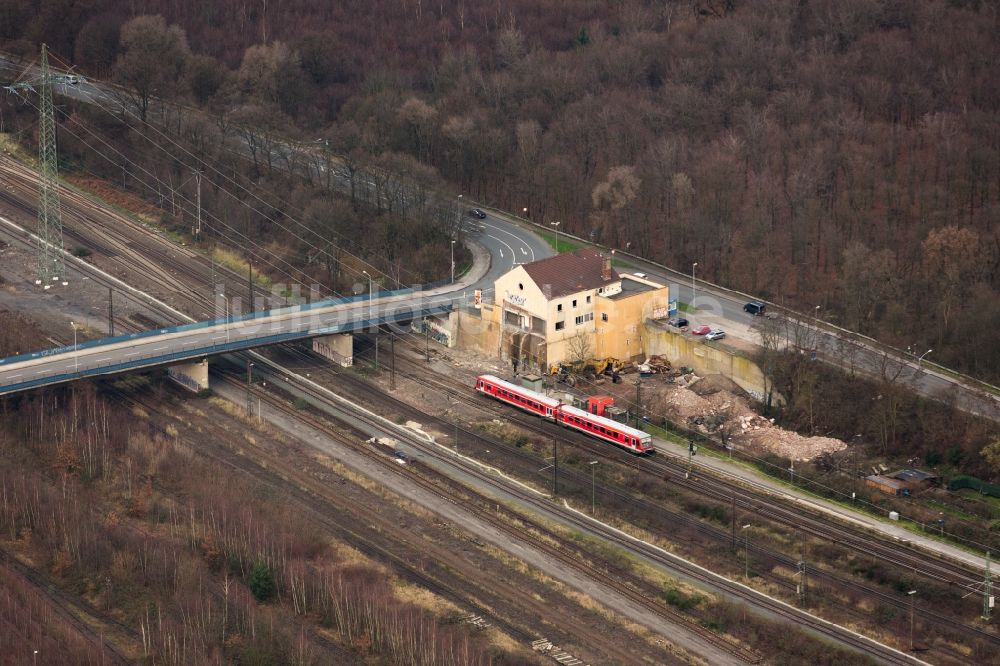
(186, 348)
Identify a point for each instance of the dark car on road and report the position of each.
(478, 214)
(678, 322)
(756, 308)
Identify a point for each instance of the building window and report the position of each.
(574, 302)
(588, 298)
(560, 325)
(559, 307)
(604, 316)
(585, 318)
(520, 285)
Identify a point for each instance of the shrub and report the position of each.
(261, 581)
(680, 600)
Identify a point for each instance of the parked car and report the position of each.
(756, 308)
(678, 322)
(715, 334)
(640, 275)
(701, 330)
(478, 214)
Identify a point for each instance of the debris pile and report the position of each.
(711, 406)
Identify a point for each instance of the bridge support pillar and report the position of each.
(338, 348)
(192, 376)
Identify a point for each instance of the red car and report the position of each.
(701, 330)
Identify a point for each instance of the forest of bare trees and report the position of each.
(842, 153)
(196, 560)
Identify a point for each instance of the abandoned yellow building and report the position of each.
(573, 307)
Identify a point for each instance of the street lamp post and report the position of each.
(912, 594)
(556, 225)
(854, 463)
(250, 365)
(76, 350)
(593, 488)
(694, 296)
(229, 311)
(453, 262)
(746, 551)
(922, 357)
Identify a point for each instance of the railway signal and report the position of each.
(692, 451)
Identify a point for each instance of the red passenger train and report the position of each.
(600, 427)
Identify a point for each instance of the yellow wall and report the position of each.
(480, 332)
(705, 359)
(622, 336)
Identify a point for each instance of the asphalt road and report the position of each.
(509, 245)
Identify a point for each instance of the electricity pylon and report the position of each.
(50, 234)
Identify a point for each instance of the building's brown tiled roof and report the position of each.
(569, 273)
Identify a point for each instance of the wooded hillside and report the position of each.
(842, 153)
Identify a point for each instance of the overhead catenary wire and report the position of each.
(220, 223)
(94, 101)
(250, 193)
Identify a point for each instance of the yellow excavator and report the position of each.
(591, 367)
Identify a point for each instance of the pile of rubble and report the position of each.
(709, 406)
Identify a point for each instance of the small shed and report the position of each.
(887, 485)
(597, 404)
(533, 382)
(916, 479)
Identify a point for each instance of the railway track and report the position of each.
(771, 606)
(314, 496)
(928, 614)
(724, 489)
(541, 538)
(70, 608)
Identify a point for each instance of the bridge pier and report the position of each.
(192, 376)
(339, 348)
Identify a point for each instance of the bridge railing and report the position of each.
(196, 349)
(249, 316)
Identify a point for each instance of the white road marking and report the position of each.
(505, 244)
(106, 358)
(158, 348)
(531, 252)
(132, 354)
(15, 376)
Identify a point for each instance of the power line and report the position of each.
(241, 187)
